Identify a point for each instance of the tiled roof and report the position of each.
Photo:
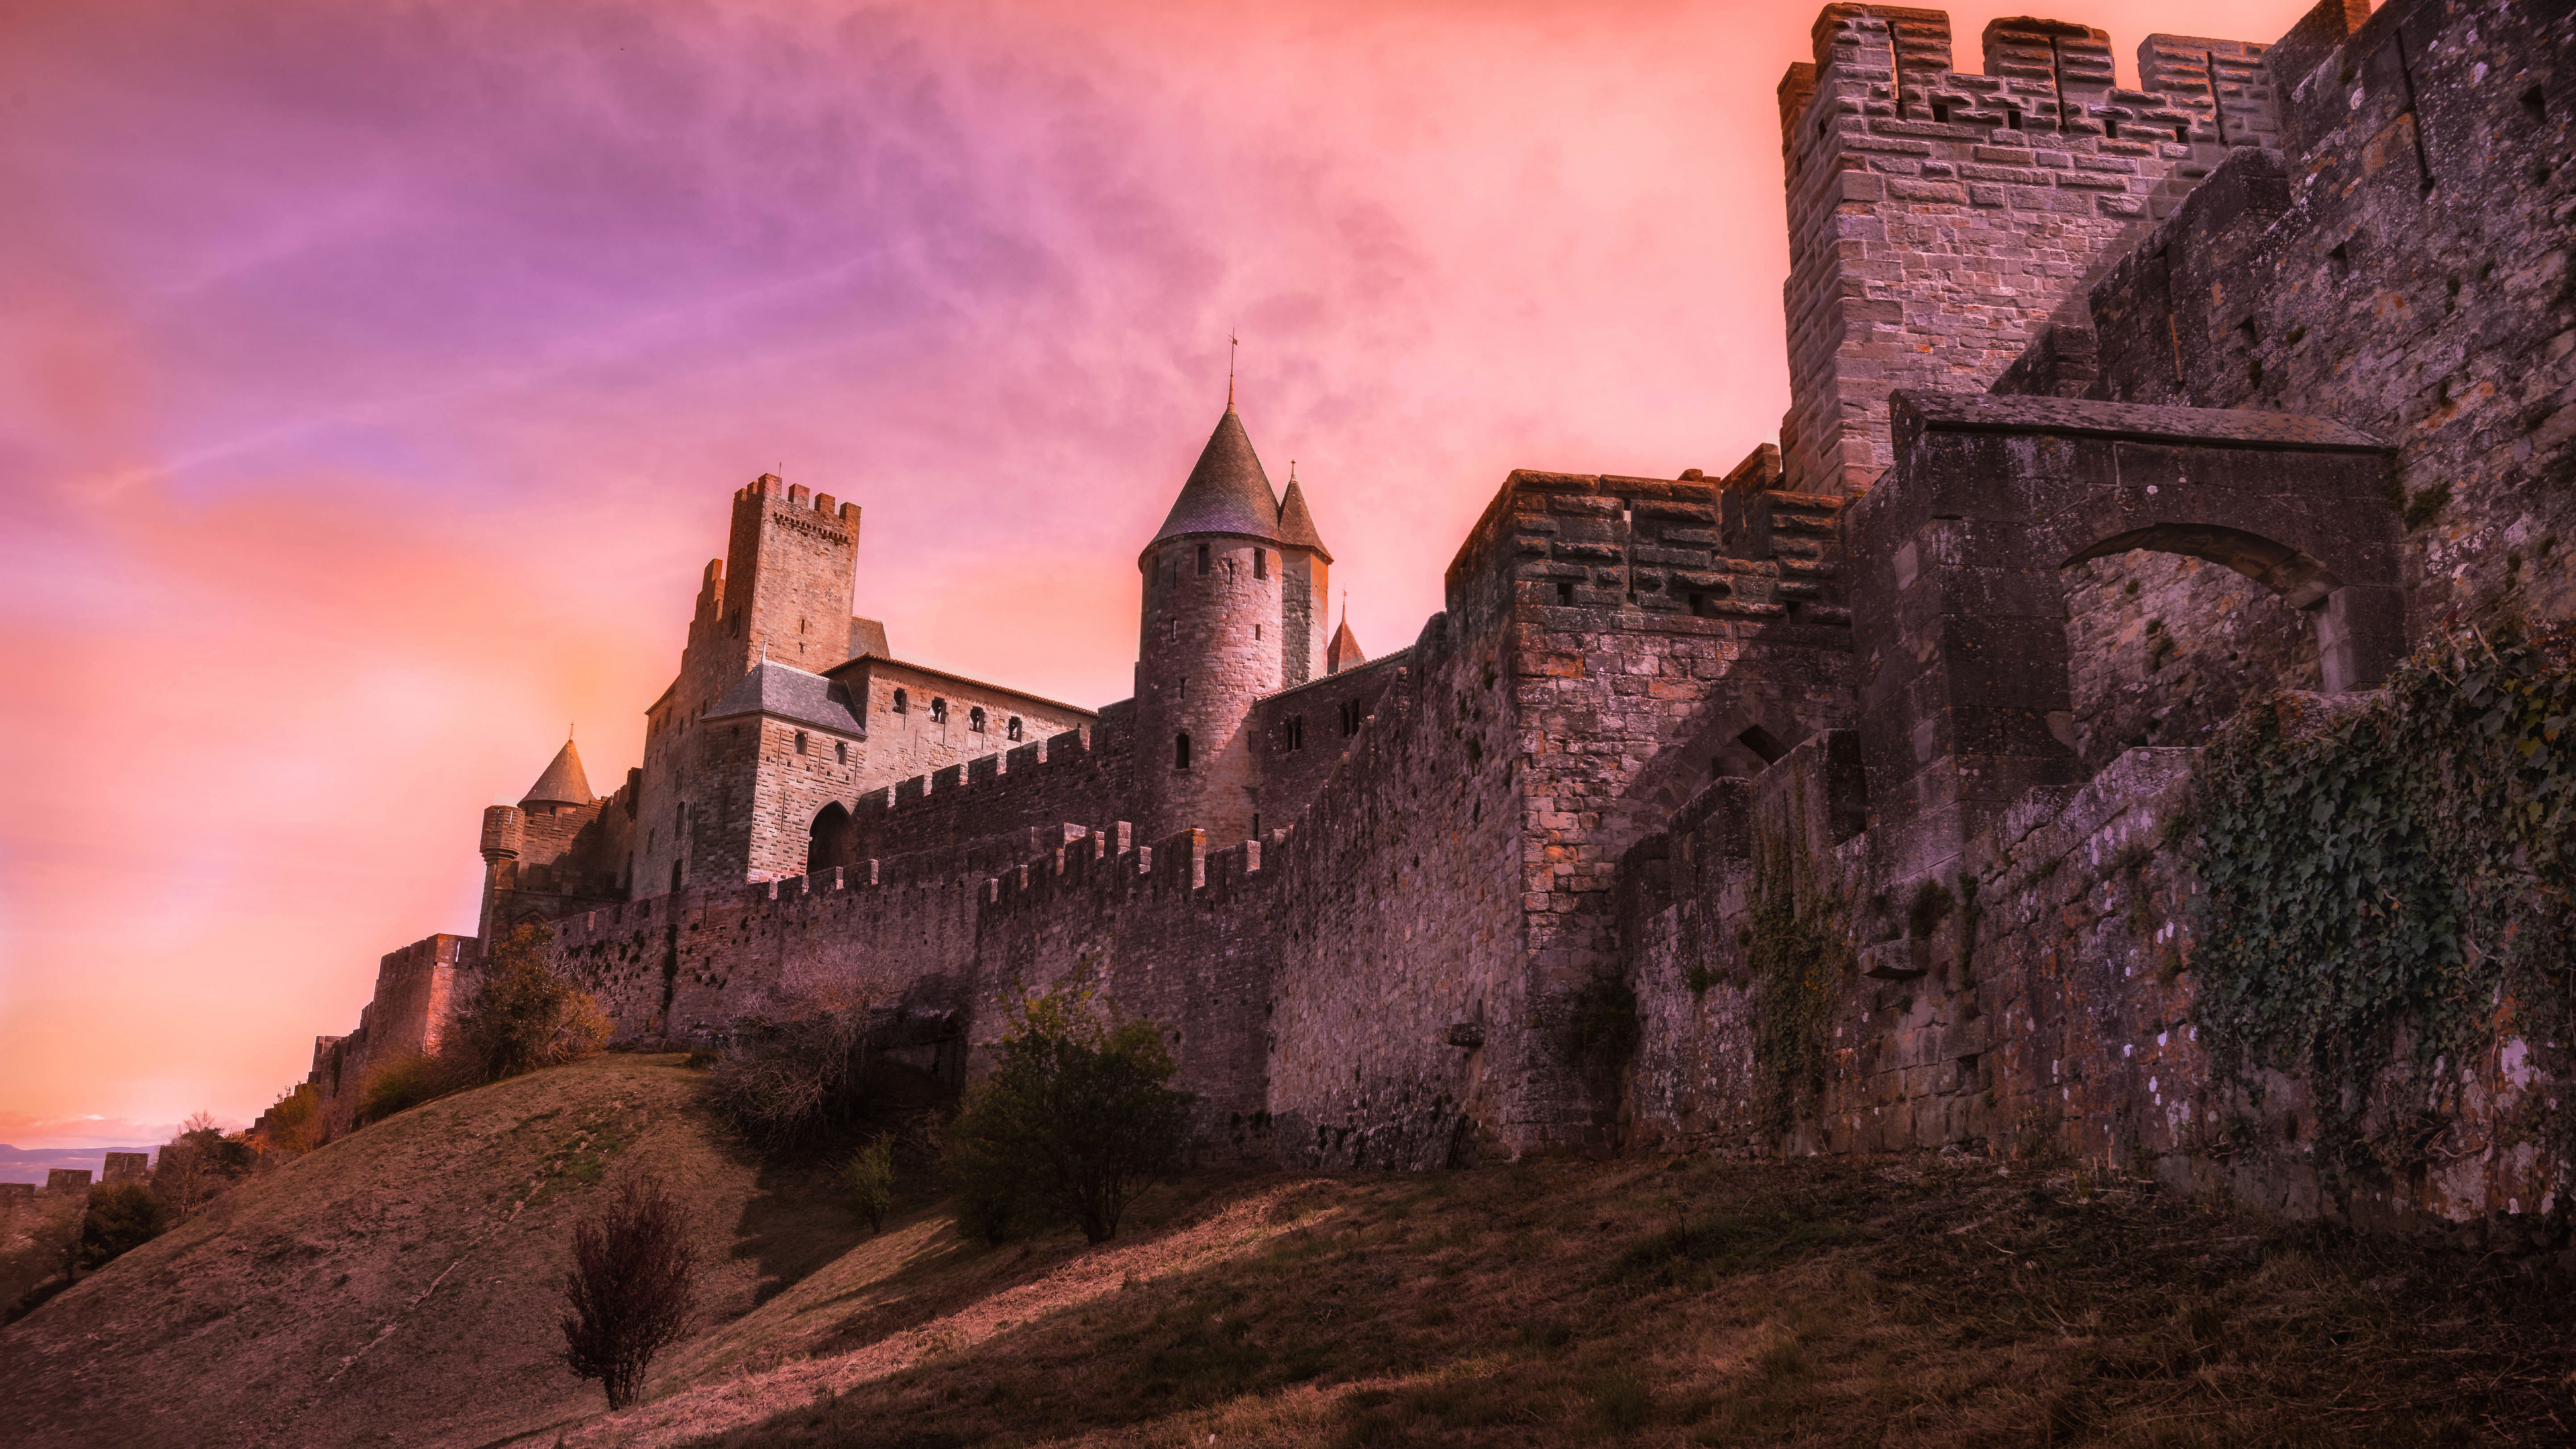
(563, 783)
(1296, 525)
(1227, 491)
(783, 691)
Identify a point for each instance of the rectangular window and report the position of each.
(1261, 563)
(1203, 558)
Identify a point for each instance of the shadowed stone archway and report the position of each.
(1959, 605)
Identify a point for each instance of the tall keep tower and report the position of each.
(781, 592)
(1212, 642)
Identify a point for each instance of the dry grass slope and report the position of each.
(1804, 1303)
(398, 1288)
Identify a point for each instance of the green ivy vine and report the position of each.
(2394, 858)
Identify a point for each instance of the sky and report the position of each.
(374, 379)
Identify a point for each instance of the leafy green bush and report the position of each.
(404, 1082)
(869, 1178)
(295, 1121)
(1074, 1121)
(521, 1016)
(122, 1216)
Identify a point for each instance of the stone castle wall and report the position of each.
(1707, 756)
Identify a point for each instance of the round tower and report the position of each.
(1210, 644)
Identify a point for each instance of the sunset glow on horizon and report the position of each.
(376, 379)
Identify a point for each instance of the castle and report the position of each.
(2113, 411)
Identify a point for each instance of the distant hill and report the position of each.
(30, 1164)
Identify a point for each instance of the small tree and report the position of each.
(521, 1016)
(295, 1121)
(1074, 1118)
(122, 1216)
(869, 1176)
(630, 1290)
(197, 1166)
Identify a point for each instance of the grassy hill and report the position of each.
(398, 1288)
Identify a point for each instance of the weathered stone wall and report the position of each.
(1080, 775)
(571, 858)
(2163, 648)
(1301, 735)
(1645, 659)
(916, 741)
(2400, 263)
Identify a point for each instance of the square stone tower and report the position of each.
(781, 592)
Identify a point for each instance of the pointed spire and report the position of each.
(563, 783)
(1296, 524)
(1344, 650)
(1227, 492)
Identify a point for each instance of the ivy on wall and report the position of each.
(2392, 858)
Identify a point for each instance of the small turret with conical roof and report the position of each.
(1210, 641)
(1344, 652)
(563, 784)
(1307, 593)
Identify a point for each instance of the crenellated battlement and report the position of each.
(798, 496)
(1939, 218)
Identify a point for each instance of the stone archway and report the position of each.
(1959, 602)
(832, 839)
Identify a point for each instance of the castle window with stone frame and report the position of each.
(938, 710)
(841, 752)
(1181, 750)
(1172, 630)
(902, 702)
(800, 742)
(1351, 718)
(975, 719)
(1203, 559)
(1293, 734)
(1013, 728)
(1261, 563)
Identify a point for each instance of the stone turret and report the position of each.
(563, 784)
(1211, 641)
(1306, 594)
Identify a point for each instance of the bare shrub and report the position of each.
(630, 1290)
(521, 1016)
(783, 1084)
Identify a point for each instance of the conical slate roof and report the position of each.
(1344, 651)
(1296, 525)
(563, 783)
(1227, 491)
